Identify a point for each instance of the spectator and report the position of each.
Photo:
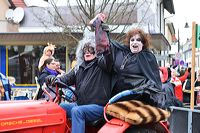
(5, 88)
(177, 82)
(48, 68)
(167, 86)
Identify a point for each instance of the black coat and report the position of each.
(92, 83)
(41, 80)
(42, 76)
(133, 70)
(138, 71)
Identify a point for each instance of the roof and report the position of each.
(169, 6)
(17, 3)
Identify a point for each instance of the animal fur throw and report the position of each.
(136, 112)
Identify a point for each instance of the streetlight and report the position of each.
(186, 25)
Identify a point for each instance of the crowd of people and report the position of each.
(105, 67)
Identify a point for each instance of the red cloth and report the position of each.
(178, 89)
(178, 92)
(165, 74)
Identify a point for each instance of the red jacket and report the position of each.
(177, 81)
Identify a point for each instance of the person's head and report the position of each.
(137, 40)
(57, 64)
(88, 52)
(49, 63)
(174, 72)
(49, 50)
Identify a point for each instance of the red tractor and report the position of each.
(41, 116)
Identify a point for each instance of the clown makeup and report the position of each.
(136, 43)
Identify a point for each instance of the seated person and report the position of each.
(48, 68)
(93, 86)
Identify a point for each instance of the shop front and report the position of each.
(20, 54)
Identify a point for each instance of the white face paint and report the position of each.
(136, 44)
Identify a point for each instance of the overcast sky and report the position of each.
(185, 11)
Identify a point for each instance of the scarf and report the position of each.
(52, 72)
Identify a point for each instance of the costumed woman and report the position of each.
(133, 66)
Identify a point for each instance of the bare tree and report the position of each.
(74, 18)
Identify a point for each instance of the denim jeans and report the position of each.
(81, 114)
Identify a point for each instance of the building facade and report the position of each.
(22, 43)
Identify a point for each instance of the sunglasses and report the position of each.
(88, 49)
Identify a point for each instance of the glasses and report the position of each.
(89, 50)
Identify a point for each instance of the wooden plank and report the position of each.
(193, 65)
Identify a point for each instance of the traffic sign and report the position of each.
(178, 55)
(197, 36)
(181, 62)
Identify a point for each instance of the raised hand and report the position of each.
(101, 16)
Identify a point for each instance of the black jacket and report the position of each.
(41, 80)
(133, 70)
(42, 76)
(92, 83)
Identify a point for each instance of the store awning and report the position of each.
(37, 38)
(159, 42)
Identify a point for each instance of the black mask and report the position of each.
(88, 49)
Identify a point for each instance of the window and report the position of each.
(23, 61)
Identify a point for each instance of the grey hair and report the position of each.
(88, 38)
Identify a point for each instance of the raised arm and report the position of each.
(184, 77)
(103, 47)
(101, 34)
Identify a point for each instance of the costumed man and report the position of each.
(92, 82)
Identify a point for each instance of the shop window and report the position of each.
(22, 62)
